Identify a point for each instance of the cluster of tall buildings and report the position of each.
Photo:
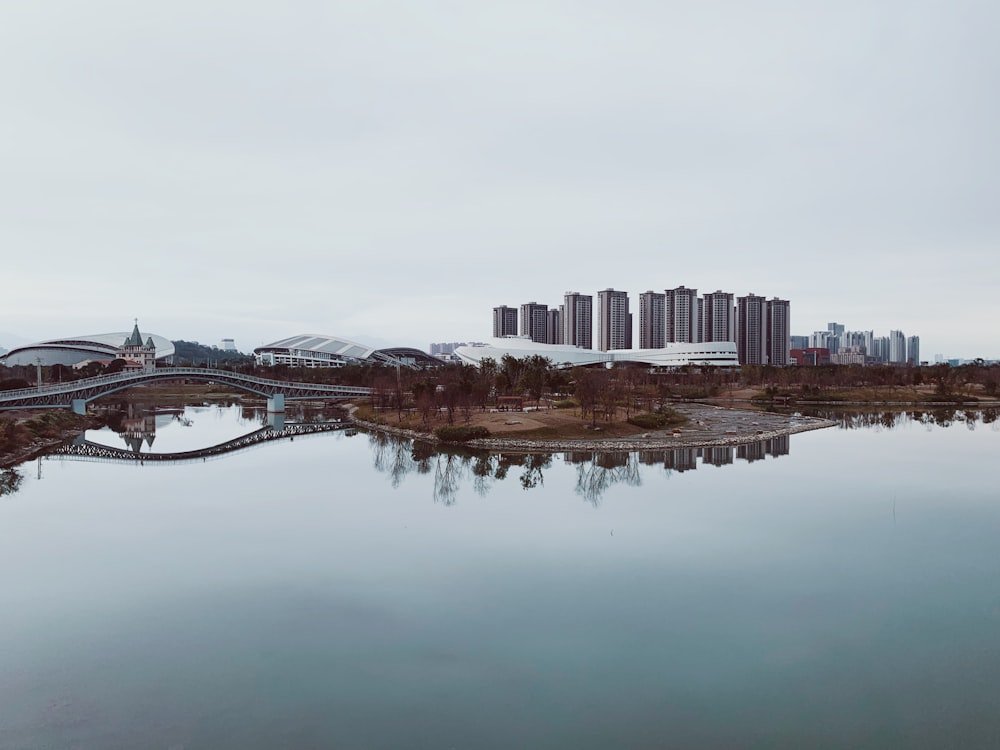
(842, 347)
(759, 327)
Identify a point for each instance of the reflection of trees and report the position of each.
(10, 481)
(593, 477)
(596, 471)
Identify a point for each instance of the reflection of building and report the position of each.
(751, 452)
(652, 458)
(718, 455)
(778, 445)
(681, 459)
(138, 426)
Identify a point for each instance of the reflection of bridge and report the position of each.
(78, 393)
(89, 451)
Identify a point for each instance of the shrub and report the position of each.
(460, 434)
(566, 403)
(656, 420)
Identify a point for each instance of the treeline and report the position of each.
(193, 353)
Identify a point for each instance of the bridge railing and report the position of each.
(124, 377)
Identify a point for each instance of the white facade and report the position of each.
(713, 354)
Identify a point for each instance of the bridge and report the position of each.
(78, 393)
(86, 450)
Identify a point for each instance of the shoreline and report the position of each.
(709, 425)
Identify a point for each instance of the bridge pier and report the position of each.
(276, 420)
(79, 406)
(276, 403)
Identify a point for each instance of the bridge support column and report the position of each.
(79, 406)
(276, 403)
(276, 420)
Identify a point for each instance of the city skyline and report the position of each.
(359, 171)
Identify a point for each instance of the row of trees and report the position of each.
(461, 388)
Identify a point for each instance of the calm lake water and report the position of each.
(840, 588)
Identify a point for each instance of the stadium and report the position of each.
(315, 350)
(709, 354)
(76, 349)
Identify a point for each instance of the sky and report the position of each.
(391, 171)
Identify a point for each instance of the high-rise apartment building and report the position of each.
(897, 348)
(719, 317)
(778, 320)
(578, 322)
(554, 326)
(880, 348)
(652, 334)
(534, 321)
(504, 321)
(681, 321)
(751, 330)
(614, 321)
(913, 351)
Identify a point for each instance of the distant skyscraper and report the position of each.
(554, 326)
(800, 342)
(534, 321)
(651, 320)
(897, 348)
(720, 317)
(913, 350)
(778, 315)
(751, 330)
(880, 348)
(613, 321)
(504, 321)
(681, 322)
(578, 322)
(835, 328)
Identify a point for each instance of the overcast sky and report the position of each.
(390, 171)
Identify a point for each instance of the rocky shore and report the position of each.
(34, 434)
(707, 426)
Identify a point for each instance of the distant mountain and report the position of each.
(197, 354)
(12, 341)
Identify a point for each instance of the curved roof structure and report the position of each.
(74, 349)
(711, 353)
(317, 350)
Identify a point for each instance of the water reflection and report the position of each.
(138, 424)
(596, 471)
(892, 418)
(10, 481)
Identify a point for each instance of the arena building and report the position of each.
(315, 350)
(710, 354)
(98, 346)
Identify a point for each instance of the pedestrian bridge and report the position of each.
(77, 394)
(86, 450)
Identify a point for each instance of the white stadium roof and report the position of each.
(712, 353)
(73, 349)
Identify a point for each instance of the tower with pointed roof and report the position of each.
(137, 355)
